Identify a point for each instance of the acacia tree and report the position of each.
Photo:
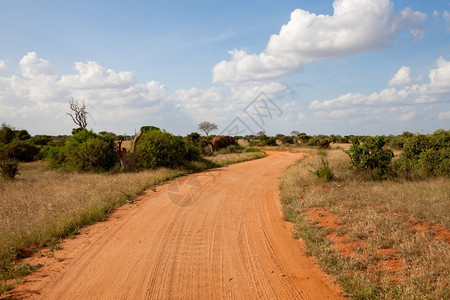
(207, 127)
(79, 113)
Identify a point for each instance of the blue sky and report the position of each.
(331, 67)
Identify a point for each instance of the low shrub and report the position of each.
(287, 140)
(9, 168)
(425, 155)
(158, 148)
(85, 151)
(319, 141)
(20, 150)
(323, 171)
(371, 157)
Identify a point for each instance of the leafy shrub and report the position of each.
(9, 168)
(426, 154)
(41, 140)
(7, 134)
(201, 143)
(324, 172)
(158, 148)
(84, 151)
(22, 135)
(263, 140)
(287, 139)
(20, 150)
(371, 157)
(320, 141)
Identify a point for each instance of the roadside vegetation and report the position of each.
(61, 184)
(379, 224)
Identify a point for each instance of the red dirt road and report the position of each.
(230, 244)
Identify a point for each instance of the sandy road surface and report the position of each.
(230, 244)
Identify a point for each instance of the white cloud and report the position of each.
(356, 26)
(31, 66)
(93, 76)
(444, 115)
(403, 78)
(439, 78)
(391, 102)
(38, 97)
(2, 65)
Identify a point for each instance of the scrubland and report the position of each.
(381, 239)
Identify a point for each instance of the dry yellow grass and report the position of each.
(396, 230)
(42, 200)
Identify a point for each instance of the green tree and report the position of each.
(6, 134)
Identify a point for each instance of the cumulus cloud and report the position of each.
(116, 100)
(403, 78)
(439, 78)
(356, 26)
(93, 76)
(395, 102)
(31, 66)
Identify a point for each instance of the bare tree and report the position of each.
(294, 133)
(79, 113)
(261, 133)
(207, 127)
(128, 161)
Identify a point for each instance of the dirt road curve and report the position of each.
(231, 243)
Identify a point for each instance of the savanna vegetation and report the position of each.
(53, 186)
(379, 223)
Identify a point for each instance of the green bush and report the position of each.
(320, 141)
(287, 139)
(371, 157)
(7, 134)
(84, 151)
(9, 168)
(158, 148)
(323, 171)
(20, 150)
(426, 154)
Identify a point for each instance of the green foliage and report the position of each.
(320, 141)
(7, 134)
(303, 138)
(84, 151)
(426, 154)
(161, 149)
(22, 135)
(371, 157)
(9, 168)
(201, 143)
(20, 150)
(287, 139)
(324, 172)
(262, 140)
(41, 140)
